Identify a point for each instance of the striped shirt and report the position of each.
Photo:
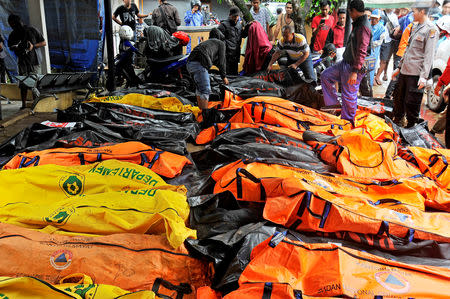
(295, 49)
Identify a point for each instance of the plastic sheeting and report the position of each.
(73, 48)
(7, 7)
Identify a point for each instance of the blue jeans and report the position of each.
(340, 72)
(201, 79)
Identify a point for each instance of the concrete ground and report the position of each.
(425, 113)
(8, 109)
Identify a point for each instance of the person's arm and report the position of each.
(277, 28)
(222, 62)
(115, 14)
(301, 60)
(222, 28)
(39, 45)
(315, 24)
(188, 17)
(40, 41)
(177, 17)
(444, 79)
(362, 42)
(138, 13)
(430, 45)
(275, 57)
(116, 20)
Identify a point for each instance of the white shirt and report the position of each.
(394, 20)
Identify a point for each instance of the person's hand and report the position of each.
(225, 80)
(395, 73)
(294, 66)
(30, 46)
(437, 90)
(352, 78)
(421, 84)
(269, 68)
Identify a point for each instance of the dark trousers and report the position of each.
(3, 71)
(365, 89)
(232, 65)
(407, 99)
(393, 83)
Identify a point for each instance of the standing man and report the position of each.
(193, 17)
(378, 35)
(398, 56)
(336, 35)
(390, 45)
(349, 71)
(320, 25)
(283, 20)
(140, 27)
(294, 46)
(24, 40)
(415, 66)
(203, 57)
(3, 70)
(232, 30)
(261, 15)
(166, 16)
(127, 14)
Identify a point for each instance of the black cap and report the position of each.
(328, 49)
(234, 11)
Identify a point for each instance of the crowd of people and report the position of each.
(408, 37)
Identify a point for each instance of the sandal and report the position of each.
(377, 81)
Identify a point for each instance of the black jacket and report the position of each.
(210, 52)
(233, 38)
(358, 44)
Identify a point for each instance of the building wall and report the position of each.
(221, 10)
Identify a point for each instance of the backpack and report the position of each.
(168, 22)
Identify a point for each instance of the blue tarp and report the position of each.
(73, 32)
(8, 7)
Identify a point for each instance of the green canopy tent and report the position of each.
(388, 4)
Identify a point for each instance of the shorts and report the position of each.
(201, 78)
(25, 69)
(385, 51)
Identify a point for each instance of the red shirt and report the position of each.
(445, 77)
(322, 34)
(339, 33)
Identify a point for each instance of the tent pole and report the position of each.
(110, 83)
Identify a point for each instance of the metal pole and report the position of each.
(110, 82)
